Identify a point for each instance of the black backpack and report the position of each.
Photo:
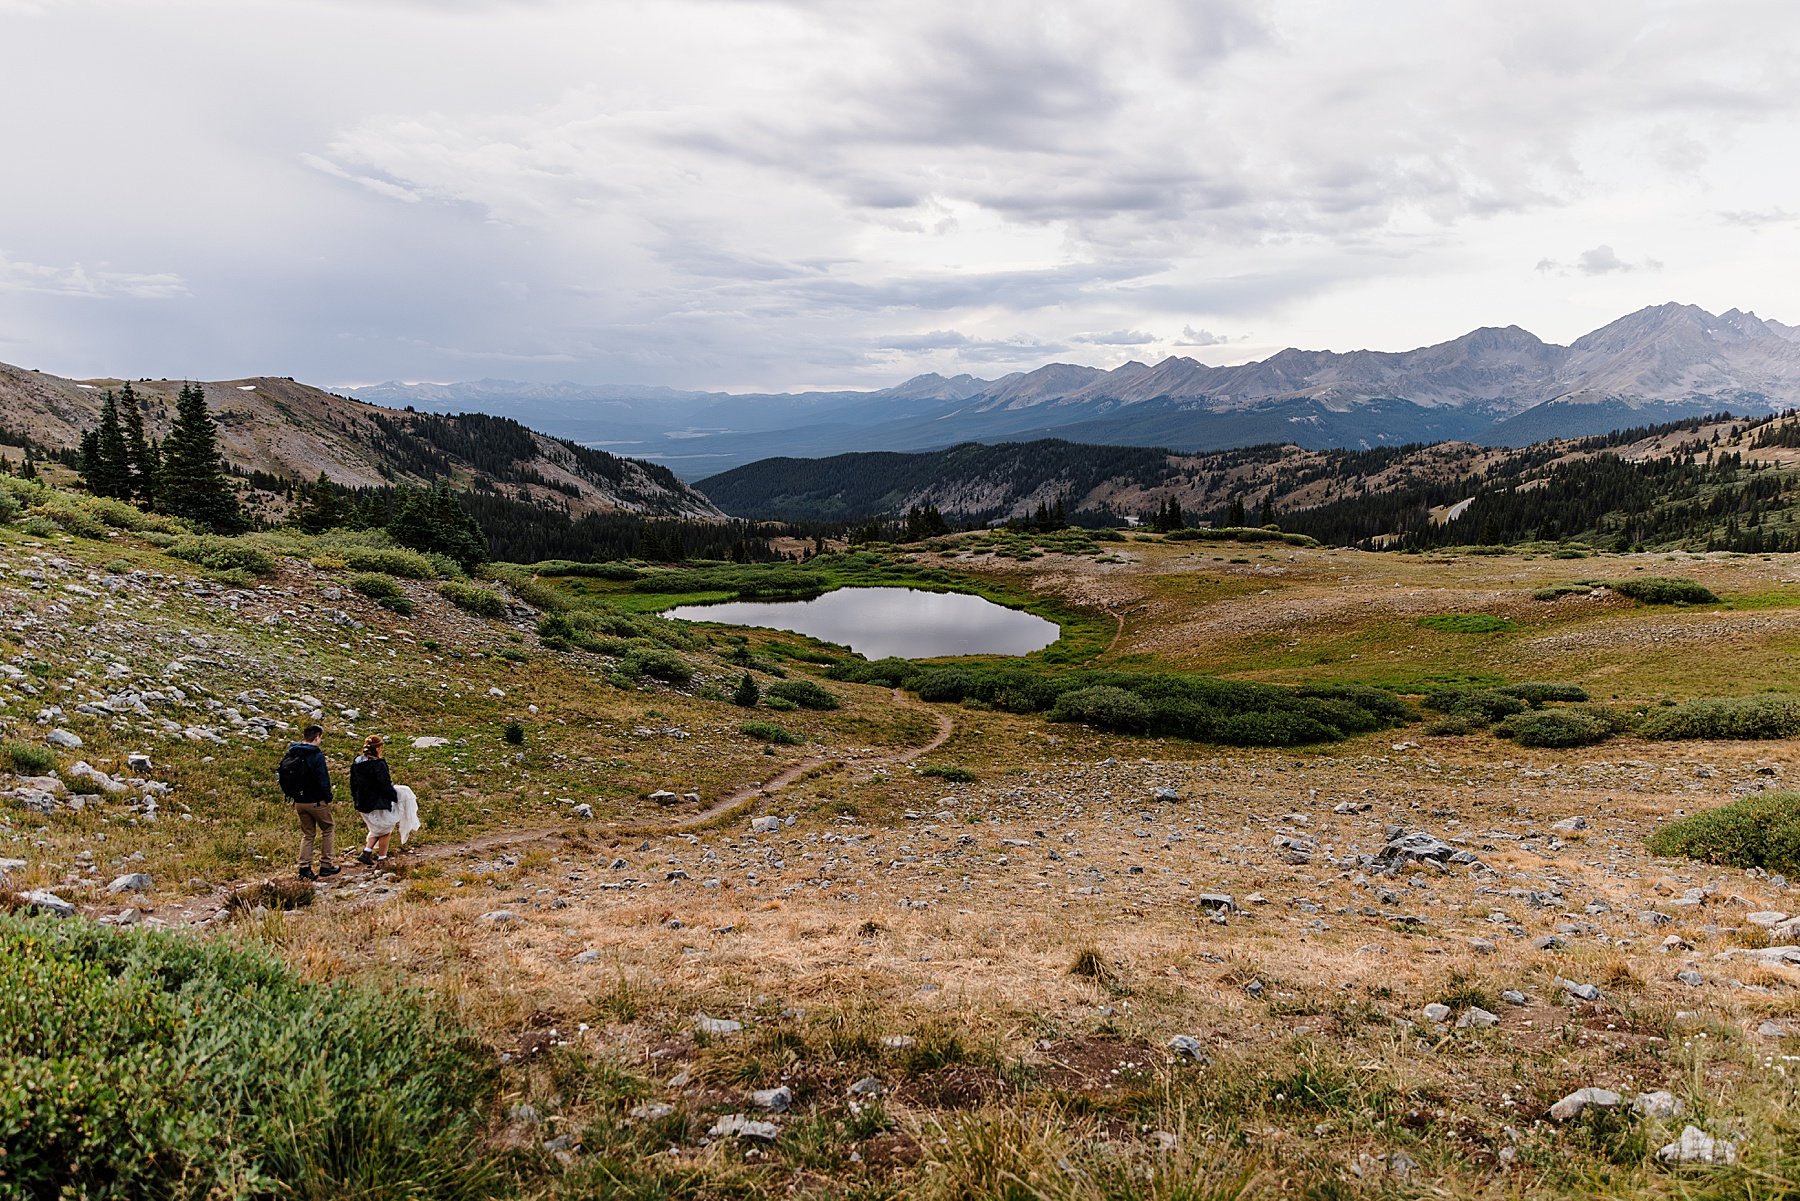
(295, 775)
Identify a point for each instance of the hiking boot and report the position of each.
(306, 873)
(329, 869)
(367, 858)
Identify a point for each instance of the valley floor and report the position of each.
(1107, 966)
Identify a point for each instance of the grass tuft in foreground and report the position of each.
(151, 1065)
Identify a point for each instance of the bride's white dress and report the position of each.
(408, 807)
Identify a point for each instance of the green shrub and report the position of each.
(514, 733)
(889, 672)
(1757, 831)
(1105, 708)
(747, 693)
(29, 760)
(137, 1064)
(658, 665)
(9, 508)
(1466, 623)
(223, 554)
(948, 772)
(409, 564)
(74, 518)
(1537, 695)
(804, 693)
(1477, 704)
(472, 598)
(780, 704)
(1558, 727)
(40, 527)
(376, 586)
(768, 731)
(1664, 590)
(1735, 717)
(1453, 725)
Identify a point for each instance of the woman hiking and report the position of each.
(384, 806)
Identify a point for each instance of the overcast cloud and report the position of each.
(730, 193)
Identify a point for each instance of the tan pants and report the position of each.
(316, 817)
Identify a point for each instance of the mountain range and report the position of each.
(1496, 385)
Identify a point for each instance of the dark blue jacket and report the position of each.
(315, 776)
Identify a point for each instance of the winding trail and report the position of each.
(722, 809)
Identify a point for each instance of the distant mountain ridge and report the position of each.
(295, 432)
(1491, 385)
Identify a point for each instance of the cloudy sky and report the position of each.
(822, 193)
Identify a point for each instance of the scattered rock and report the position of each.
(1695, 1146)
(717, 1026)
(1581, 992)
(653, 1111)
(48, 902)
(1570, 825)
(1659, 1104)
(425, 744)
(134, 882)
(773, 1100)
(737, 1125)
(868, 1086)
(1477, 1018)
(1571, 1106)
(765, 825)
(1186, 1046)
(1691, 978)
(1218, 901)
(584, 811)
(1436, 1012)
(498, 917)
(65, 739)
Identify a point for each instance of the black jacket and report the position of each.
(371, 787)
(315, 776)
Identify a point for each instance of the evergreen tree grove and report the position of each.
(105, 459)
(142, 456)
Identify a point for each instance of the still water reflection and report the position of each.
(878, 622)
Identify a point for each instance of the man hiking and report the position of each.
(306, 781)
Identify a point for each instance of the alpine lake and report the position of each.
(905, 623)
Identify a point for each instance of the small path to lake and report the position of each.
(908, 623)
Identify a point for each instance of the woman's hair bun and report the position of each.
(372, 744)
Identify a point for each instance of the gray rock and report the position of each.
(1581, 992)
(1774, 1029)
(663, 796)
(1167, 794)
(653, 1111)
(717, 1026)
(1482, 946)
(1219, 901)
(498, 917)
(139, 762)
(773, 1100)
(48, 902)
(765, 825)
(1548, 942)
(1477, 1018)
(868, 1086)
(135, 882)
(587, 957)
(1570, 825)
(1186, 1046)
(1415, 846)
(583, 811)
(1659, 1104)
(737, 1125)
(66, 739)
(1691, 978)
(1435, 1012)
(1572, 1106)
(1695, 1146)
(1513, 996)
(899, 1042)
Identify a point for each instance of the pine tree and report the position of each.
(1267, 516)
(193, 483)
(140, 453)
(105, 461)
(1234, 513)
(747, 693)
(321, 508)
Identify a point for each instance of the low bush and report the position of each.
(409, 564)
(1757, 831)
(804, 693)
(1105, 707)
(73, 517)
(1453, 725)
(138, 1064)
(1664, 590)
(473, 598)
(1476, 704)
(1537, 695)
(1559, 727)
(28, 760)
(948, 772)
(604, 631)
(657, 665)
(376, 586)
(780, 704)
(1734, 717)
(1466, 623)
(768, 731)
(40, 527)
(223, 554)
(1242, 534)
(593, 571)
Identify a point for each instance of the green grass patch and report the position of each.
(948, 772)
(1466, 623)
(473, 598)
(152, 1065)
(28, 760)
